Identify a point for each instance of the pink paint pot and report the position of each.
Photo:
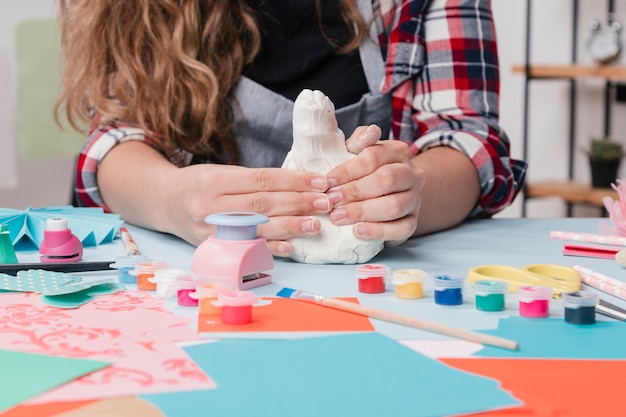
(186, 285)
(236, 306)
(534, 301)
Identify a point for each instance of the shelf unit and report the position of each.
(569, 191)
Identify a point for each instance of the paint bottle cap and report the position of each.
(236, 299)
(576, 299)
(448, 281)
(404, 276)
(529, 293)
(371, 270)
(148, 267)
(211, 289)
(490, 286)
(191, 280)
(167, 275)
(127, 261)
(236, 225)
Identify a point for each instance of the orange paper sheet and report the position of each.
(564, 388)
(45, 410)
(287, 315)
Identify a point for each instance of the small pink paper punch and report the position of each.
(59, 244)
(236, 255)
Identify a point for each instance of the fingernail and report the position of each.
(319, 183)
(335, 197)
(310, 225)
(337, 214)
(285, 249)
(368, 135)
(359, 230)
(332, 182)
(322, 203)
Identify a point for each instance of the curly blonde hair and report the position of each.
(167, 66)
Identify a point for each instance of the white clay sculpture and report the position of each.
(318, 146)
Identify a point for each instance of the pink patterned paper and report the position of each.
(130, 329)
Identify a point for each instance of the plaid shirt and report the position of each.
(442, 71)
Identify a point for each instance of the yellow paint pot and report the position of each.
(409, 283)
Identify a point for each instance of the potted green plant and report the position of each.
(605, 155)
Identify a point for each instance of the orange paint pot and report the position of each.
(145, 274)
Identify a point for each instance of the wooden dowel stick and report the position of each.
(418, 323)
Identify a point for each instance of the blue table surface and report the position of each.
(512, 242)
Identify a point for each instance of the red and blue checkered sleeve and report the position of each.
(100, 141)
(442, 69)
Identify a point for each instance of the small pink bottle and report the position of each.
(534, 301)
(236, 307)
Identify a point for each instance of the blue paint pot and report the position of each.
(125, 264)
(448, 290)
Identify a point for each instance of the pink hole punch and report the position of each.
(59, 244)
(236, 255)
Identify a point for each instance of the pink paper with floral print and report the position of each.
(131, 329)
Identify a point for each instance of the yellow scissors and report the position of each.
(558, 277)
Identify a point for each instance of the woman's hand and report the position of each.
(289, 198)
(158, 195)
(379, 190)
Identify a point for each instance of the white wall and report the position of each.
(44, 182)
(549, 100)
(24, 182)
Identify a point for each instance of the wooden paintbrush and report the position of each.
(400, 319)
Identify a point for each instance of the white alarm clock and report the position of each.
(605, 41)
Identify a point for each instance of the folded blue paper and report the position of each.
(90, 224)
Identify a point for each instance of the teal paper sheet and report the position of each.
(363, 374)
(25, 375)
(554, 338)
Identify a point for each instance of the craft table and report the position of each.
(512, 242)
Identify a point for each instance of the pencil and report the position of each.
(401, 319)
(129, 243)
(13, 269)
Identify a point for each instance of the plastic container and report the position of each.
(186, 285)
(448, 290)
(165, 280)
(144, 271)
(236, 306)
(409, 283)
(580, 306)
(534, 301)
(206, 294)
(371, 278)
(490, 294)
(125, 264)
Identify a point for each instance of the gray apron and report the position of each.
(263, 119)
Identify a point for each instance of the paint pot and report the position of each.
(448, 290)
(408, 283)
(186, 285)
(372, 278)
(165, 280)
(490, 294)
(534, 301)
(125, 264)
(236, 306)
(144, 271)
(580, 306)
(206, 294)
